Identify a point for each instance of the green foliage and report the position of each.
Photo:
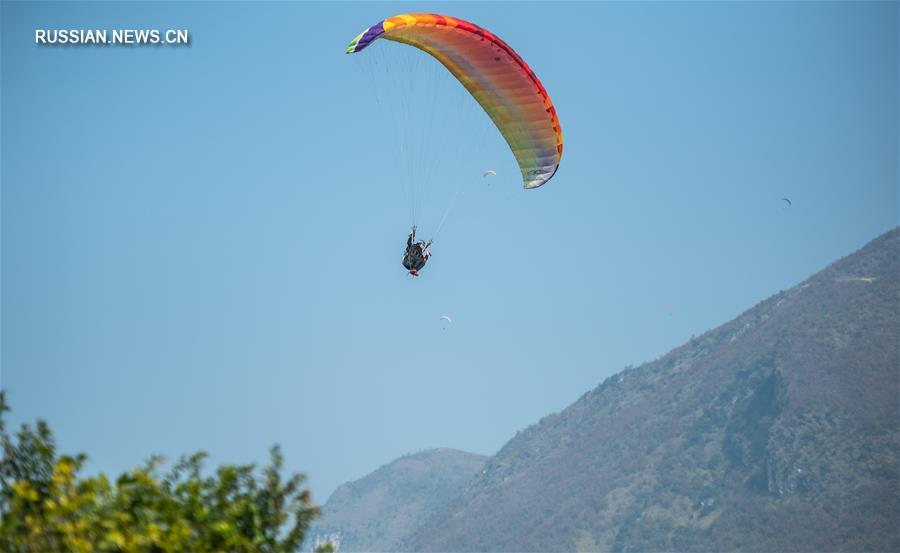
(46, 506)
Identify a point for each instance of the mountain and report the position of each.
(778, 431)
(376, 512)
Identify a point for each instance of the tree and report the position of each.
(46, 506)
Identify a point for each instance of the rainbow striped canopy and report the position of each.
(495, 75)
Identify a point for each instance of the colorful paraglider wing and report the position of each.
(494, 75)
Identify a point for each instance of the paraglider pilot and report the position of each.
(417, 253)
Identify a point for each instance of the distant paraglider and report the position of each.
(788, 201)
(445, 320)
(489, 173)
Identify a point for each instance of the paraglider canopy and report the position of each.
(494, 74)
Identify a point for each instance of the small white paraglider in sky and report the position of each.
(489, 173)
(445, 320)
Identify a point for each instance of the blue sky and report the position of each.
(201, 245)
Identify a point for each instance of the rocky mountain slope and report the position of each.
(378, 511)
(777, 431)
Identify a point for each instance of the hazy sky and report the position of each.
(201, 245)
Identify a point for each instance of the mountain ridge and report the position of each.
(747, 437)
(375, 512)
(777, 430)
